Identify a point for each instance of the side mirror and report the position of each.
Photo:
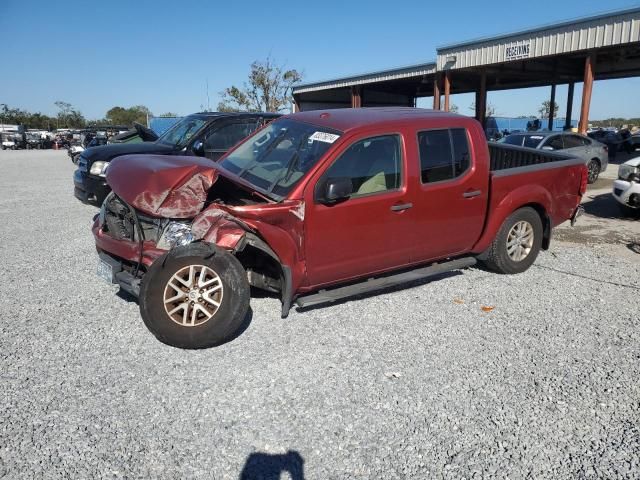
(336, 189)
(547, 147)
(198, 148)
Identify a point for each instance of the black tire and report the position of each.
(225, 322)
(593, 168)
(497, 258)
(100, 198)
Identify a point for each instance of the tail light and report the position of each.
(605, 148)
(583, 179)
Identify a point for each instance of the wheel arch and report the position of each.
(533, 196)
(269, 272)
(546, 223)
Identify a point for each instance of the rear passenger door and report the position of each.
(224, 135)
(452, 194)
(576, 145)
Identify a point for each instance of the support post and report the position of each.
(481, 101)
(552, 104)
(567, 117)
(587, 88)
(447, 90)
(296, 109)
(356, 100)
(436, 92)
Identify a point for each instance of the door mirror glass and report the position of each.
(198, 148)
(336, 189)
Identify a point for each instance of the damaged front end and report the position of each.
(160, 203)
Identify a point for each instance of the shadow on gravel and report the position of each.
(243, 328)
(634, 247)
(362, 296)
(265, 466)
(604, 206)
(126, 296)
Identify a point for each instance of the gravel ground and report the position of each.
(473, 375)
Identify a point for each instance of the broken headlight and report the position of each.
(99, 168)
(175, 234)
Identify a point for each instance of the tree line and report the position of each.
(70, 117)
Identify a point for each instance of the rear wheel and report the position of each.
(593, 168)
(196, 296)
(517, 243)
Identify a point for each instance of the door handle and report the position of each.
(471, 194)
(400, 207)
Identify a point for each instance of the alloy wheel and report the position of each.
(193, 295)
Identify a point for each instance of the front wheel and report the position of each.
(195, 296)
(517, 243)
(593, 168)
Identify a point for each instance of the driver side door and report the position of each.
(371, 230)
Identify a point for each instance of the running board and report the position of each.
(373, 284)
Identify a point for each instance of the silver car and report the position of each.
(594, 153)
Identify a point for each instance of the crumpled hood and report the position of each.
(161, 185)
(105, 153)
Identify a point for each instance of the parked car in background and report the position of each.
(8, 141)
(338, 202)
(88, 141)
(139, 133)
(594, 153)
(626, 189)
(36, 140)
(208, 134)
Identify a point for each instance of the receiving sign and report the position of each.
(515, 52)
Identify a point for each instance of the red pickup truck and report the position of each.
(322, 205)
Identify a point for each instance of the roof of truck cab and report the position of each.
(344, 119)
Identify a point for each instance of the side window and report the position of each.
(226, 137)
(555, 142)
(444, 154)
(572, 141)
(373, 165)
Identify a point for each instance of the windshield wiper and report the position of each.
(287, 174)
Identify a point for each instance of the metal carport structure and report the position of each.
(598, 47)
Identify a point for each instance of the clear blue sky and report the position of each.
(161, 53)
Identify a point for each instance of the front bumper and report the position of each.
(87, 187)
(627, 193)
(123, 256)
(125, 250)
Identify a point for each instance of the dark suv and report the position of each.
(207, 134)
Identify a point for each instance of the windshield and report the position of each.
(278, 156)
(530, 141)
(179, 135)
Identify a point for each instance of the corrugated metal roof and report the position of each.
(371, 77)
(614, 28)
(547, 26)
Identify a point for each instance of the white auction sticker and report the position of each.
(323, 137)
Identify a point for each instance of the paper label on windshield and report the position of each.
(324, 137)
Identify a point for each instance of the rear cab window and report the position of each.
(444, 154)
